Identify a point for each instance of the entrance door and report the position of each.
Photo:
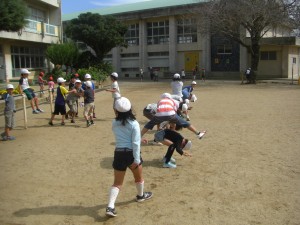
(191, 59)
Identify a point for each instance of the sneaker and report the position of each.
(172, 160)
(50, 123)
(72, 121)
(169, 165)
(201, 134)
(146, 196)
(35, 112)
(88, 123)
(92, 122)
(40, 110)
(111, 212)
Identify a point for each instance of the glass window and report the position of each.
(132, 34)
(158, 32)
(268, 55)
(186, 30)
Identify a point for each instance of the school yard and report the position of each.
(245, 171)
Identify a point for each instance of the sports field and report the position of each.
(245, 171)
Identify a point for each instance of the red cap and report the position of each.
(76, 75)
(50, 78)
(41, 73)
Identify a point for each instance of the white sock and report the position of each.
(113, 194)
(140, 188)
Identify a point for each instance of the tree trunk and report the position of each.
(254, 59)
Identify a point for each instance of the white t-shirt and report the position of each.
(117, 93)
(24, 83)
(177, 88)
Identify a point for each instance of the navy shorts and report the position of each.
(59, 109)
(29, 93)
(123, 159)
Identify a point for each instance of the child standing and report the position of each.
(88, 103)
(60, 102)
(127, 154)
(9, 113)
(51, 85)
(41, 82)
(115, 90)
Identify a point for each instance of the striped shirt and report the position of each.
(166, 107)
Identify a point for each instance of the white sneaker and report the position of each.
(201, 134)
(172, 160)
(169, 165)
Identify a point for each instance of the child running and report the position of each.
(88, 103)
(115, 90)
(127, 154)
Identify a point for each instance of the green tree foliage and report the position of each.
(100, 33)
(12, 15)
(246, 21)
(62, 54)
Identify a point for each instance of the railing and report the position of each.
(41, 28)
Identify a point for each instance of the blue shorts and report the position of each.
(59, 109)
(29, 93)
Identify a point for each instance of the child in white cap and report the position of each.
(177, 85)
(115, 90)
(127, 154)
(88, 96)
(88, 77)
(9, 112)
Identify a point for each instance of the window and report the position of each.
(158, 32)
(132, 35)
(158, 54)
(128, 55)
(36, 14)
(27, 57)
(271, 55)
(224, 49)
(186, 31)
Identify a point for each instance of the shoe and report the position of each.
(169, 165)
(50, 123)
(146, 196)
(111, 212)
(35, 112)
(201, 134)
(172, 160)
(40, 110)
(72, 121)
(88, 123)
(62, 123)
(92, 122)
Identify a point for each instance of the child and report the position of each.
(88, 77)
(41, 82)
(25, 88)
(88, 103)
(127, 154)
(72, 100)
(174, 140)
(115, 90)
(60, 102)
(177, 85)
(9, 112)
(187, 90)
(51, 85)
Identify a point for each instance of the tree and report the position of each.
(62, 54)
(101, 33)
(12, 15)
(247, 21)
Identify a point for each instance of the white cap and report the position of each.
(114, 74)
(122, 104)
(89, 83)
(87, 76)
(193, 98)
(176, 75)
(188, 146)
(77, 81)
(194, 82)
(185, 107)
(61, 80)
(24, 71)
(10, 86)
(166, 95)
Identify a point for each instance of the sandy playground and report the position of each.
(245, 171)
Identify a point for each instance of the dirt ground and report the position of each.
(245, 171)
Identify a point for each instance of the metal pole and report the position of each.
(24, 110)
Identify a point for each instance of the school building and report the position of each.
(164, 34)
(26, 48)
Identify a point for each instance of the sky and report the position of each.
(70, 6)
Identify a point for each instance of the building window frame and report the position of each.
(268, 55)
(132, 35)
(186, 30)
(158, 32)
